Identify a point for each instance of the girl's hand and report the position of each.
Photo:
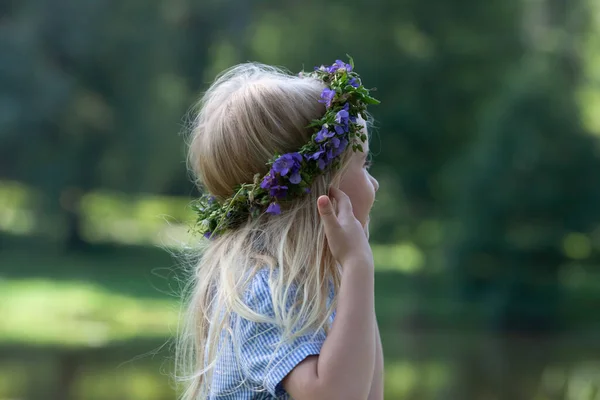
(345, 234)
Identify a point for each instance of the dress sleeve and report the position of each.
(264, 358)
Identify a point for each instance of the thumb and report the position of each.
(325, 206)
(326, 211)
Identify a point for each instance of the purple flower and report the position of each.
(330, 155)
(207, 234)
(327, 97)
(278, 191)
(321, 157)
(286, 163)
(339, 64)
(274, 209)
(323, 134)
(342, 116)
(340, 147)
(295, 178)
(269, 180)
(341, 129)
(316, 154)
(335, 147)
(354, 82)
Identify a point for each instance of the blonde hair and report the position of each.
(250, 113)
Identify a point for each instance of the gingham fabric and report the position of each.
(256, 365)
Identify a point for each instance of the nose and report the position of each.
(374, 182)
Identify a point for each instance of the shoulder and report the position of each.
(260, 291)
(258, 294)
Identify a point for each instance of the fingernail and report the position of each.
(322, 201)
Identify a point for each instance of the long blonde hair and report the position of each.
(251, 112)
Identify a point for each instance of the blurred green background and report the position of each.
(486, 231)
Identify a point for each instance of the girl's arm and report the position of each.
(377, 385)
(344, 368)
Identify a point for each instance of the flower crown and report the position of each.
(292, 174)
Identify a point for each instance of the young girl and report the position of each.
(281, 304)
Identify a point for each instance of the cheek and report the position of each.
(369, 192)
(361, 194)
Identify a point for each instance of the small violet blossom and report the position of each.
(327, 97)
(295, 178)
(274, 209)
(323, 134)
(339, 147)
(341, 129)
(278, 191)
(339, 65)
(269, 180)
(286, 163)
(321, 157)
(342, 118)
(354, 82)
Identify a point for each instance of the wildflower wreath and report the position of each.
(292, 174)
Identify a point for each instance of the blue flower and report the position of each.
(278, 191)
(323, 134)
(322, 157)
(354, 82)
(342, 116)
(334, 148)
(295, 178)
(341, 129)
(274, 209)
(269, 180)
(208, 234)
(327, 97)
(340, 147)
(339, 64)
(286, 163)
(316, 154)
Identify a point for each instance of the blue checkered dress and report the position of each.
(256, 365)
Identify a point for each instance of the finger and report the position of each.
(344, 205)
(327, 213)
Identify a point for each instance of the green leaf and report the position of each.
(351, 60)
(371, 100)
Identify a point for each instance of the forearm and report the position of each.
(346, 363)
(376, 392)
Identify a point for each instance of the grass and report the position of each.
(110, 293)
(41, 311)
(114, 293)
(103, 316)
